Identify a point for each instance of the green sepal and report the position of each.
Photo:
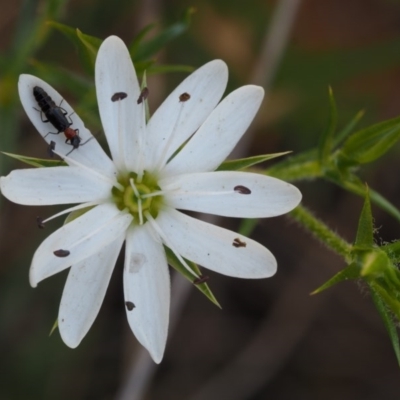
(177, 265)
(374, 263)
(77, 213)
(242, 163)
(387, 321)
(365, 231)
(368, 144)
(351, 272)
(326, 140)
(148, 49)
(37, 162)
(54, 327)
(146, 101)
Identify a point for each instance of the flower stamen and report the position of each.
(141, 100)
(139, 200)
(153, 194)
(71, 161)
(71, 209)
(162, 159)
(96, 231)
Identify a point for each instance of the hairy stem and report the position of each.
(322, 232)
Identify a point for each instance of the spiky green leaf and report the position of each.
(176, 264)
(370, 143)
(365, 231)
(342, 134)
(387, 321)
(36, 162)
(351, 272)
(145, 50)
(86, 45)
(325, 143)
(242, 163)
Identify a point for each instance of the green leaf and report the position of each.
(348, 128)
(151, 47)
(349, 273)
(365, 231)
(36, 162)
(62, 78)
(67, 31)
(387, 321)
(242, 163)
(91, 44)
(54, 327)
(390, 302)
(176, 264)
(325, 144)
(134, 46)
(370, 143)
(353, 184)
(87, 45)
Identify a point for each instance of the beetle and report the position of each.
(58, 117)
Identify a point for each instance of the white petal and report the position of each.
(175, 121)
(123, 120)
(84, 292)
(215, 193)
(82, 237)
(219, 134)
(214, 248)
(147, 290)
(89, 152)
(54, 185)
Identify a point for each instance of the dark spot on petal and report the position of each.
(143, 95)
(119, 96)
(238, 243)
(39, 221)
(242, 189)
(201, 279)
(184, 97)
(61, 253)
(129, 305)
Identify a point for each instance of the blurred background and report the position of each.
(271, 340)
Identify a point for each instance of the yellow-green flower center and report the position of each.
(138, 198)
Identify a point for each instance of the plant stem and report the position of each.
(322, 232)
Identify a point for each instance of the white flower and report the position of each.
(135, 196)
